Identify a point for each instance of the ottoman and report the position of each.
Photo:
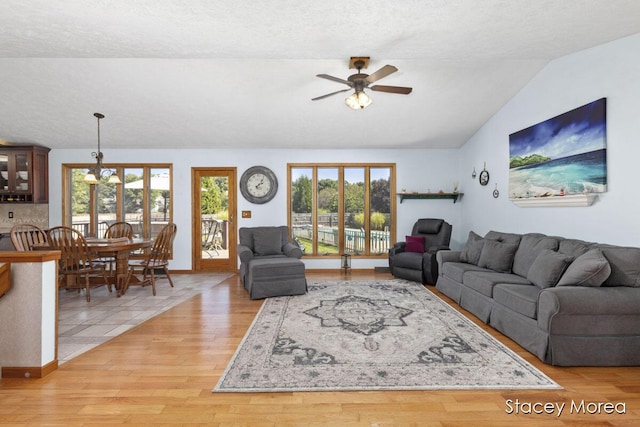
(274, 277)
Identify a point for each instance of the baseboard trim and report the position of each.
(29, 371)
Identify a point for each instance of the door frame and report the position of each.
(222, 265)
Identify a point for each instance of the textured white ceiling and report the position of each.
(208, 73)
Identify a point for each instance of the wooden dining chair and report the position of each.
(117, 230)
(158, 257)
(24, 236)
(75, 260)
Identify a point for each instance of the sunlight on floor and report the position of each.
(84, 325)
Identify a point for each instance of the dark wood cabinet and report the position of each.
(24, 173)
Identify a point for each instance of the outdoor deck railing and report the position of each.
(83, 227)
(355, 240)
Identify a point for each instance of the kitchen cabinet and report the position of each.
(24, 173)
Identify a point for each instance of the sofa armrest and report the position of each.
(397, 248)
(245, 253)
(446, 256)
(570, 309)
(291, 250)
(436, 248)
(399, 245)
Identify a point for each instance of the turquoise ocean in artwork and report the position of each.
(576, 174)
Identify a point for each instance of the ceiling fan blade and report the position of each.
(392, 89)
(382, 72)
(329, 94)
(335, 79)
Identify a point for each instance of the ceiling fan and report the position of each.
(360, 81)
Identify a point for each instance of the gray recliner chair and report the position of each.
(419, 264)
(270, 264)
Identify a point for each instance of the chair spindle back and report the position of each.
(24, 236)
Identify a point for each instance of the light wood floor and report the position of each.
(162, 372)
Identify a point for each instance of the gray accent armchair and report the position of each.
(264, 243)
(421, 267)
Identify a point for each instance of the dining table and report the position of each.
(118, 248)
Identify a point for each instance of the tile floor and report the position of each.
(83, 325)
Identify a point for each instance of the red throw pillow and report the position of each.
(414, 244)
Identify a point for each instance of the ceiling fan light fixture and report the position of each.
(360, 81)
(358, 100)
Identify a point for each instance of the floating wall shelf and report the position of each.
(556, 201)
(453, 196)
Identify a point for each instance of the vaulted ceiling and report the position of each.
(241, 74)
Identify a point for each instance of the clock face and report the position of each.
(258, 184)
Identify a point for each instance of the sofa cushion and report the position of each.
(484, 281)
(503, 237)
(497, 256)
(548, 268)
(522, 299)
(455, 270)
(472, 249)
(573, 247)
(625, 265)
(530, 247)
(411, 260)
(267, 241)
(414, 244)
(589, 269)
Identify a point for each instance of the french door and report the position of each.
(214, 228)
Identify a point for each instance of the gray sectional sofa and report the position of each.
(569, 302)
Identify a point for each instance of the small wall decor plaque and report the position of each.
(484, 175)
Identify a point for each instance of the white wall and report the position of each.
(415, 170)
(612, 71)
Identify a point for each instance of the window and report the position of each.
(342, 208)
(144, 200)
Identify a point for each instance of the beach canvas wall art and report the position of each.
(564, 155)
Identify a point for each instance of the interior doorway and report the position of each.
(214, 228)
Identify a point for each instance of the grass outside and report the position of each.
(323, 248)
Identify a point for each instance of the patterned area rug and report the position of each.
(381, 335)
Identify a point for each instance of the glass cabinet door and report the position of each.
(22, 172)
(4, 172)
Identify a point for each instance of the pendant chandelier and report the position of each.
(98, 172)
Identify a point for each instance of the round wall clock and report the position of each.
(258, 184)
